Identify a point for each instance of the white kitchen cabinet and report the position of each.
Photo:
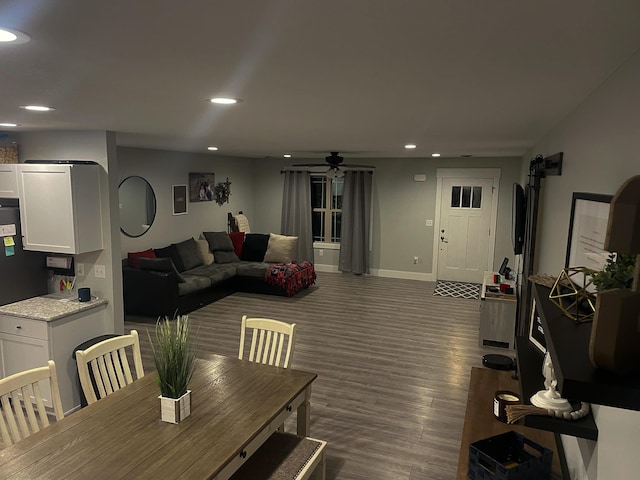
(60, 208)
(55, 329)
(8, 180)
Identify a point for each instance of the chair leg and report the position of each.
(320, 471)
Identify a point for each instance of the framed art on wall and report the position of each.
(201, 187)
(179, 199)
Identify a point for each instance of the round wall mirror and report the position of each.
(137, 206)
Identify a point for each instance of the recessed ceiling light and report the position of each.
(37, 108)
(8, 35)
(224, 100)
(213, 149)
(410, 146)
(435, 154)
(7, 124)
(287, 155)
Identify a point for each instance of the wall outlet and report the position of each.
(80, 269)
(429, 223)
(415, 260)
(321, 252)
(99, 271)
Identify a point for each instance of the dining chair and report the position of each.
(269, 338)
(19, 393)
(109, 366)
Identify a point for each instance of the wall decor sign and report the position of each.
(587, 231)
(179, 198)
(201, 187)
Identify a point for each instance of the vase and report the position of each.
(615, 341)
(174, 410)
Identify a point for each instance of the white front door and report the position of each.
(465, 235)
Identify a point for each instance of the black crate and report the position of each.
(509, 456)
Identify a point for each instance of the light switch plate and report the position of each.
(99, 271)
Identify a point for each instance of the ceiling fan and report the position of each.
(334, 160)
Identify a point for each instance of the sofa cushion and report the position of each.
(254, 247)
(193, 283)
(237, 238)
(171, 252)
(222, 256)
(134, 256)
(160, 265)
(189, 253)
(218, 241)
(281, 248)
(252, 269)
(215, 272)
(205, 253)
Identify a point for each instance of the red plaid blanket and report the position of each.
(291, 277)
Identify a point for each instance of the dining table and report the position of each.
(235, 406)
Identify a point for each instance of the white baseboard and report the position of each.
(424, 277)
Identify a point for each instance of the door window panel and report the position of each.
(466, 196)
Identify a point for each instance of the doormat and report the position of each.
(457, 289)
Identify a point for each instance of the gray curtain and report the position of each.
(356, 219)
(296, 212)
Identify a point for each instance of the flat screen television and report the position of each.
(518, 215)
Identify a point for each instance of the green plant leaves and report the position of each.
(173, 355)
(617, 273)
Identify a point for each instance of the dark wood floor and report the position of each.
(393, 362)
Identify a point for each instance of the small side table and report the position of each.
(497, 314)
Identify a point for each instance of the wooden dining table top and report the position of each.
(122, 436)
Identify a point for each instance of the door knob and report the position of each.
(443, 240)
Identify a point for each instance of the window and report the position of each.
(326, 208)
(465, 196)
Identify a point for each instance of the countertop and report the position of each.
(49, 307)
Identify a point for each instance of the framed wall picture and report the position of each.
(201, 187)
(587, 231)
(179, 199)
(536, 332)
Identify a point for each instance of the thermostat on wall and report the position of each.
(419, 177)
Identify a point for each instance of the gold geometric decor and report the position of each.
(573, 299)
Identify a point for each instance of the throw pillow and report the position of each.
(223, 256)
(254, 247)
(189, 253)
(281, 248)
(134, 256)
(171, 252)
(160, 265)
(205, 253)
(218, 241)
(237, 238)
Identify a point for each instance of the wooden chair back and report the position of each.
(269, 339)
(19, 394)
(109, 366)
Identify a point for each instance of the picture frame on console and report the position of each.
(587, 231)
(179, 199)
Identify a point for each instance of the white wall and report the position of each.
(162, 169)
(400, 208)
(601, 145)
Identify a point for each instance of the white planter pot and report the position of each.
(174, 410)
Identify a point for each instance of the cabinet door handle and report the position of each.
(243, 454)
(289, 408)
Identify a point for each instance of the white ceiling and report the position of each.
(362, 77)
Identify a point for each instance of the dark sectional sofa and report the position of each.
(180, 278)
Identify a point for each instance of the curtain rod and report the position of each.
(344, 169)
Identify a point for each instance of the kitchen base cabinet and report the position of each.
(27, 343)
